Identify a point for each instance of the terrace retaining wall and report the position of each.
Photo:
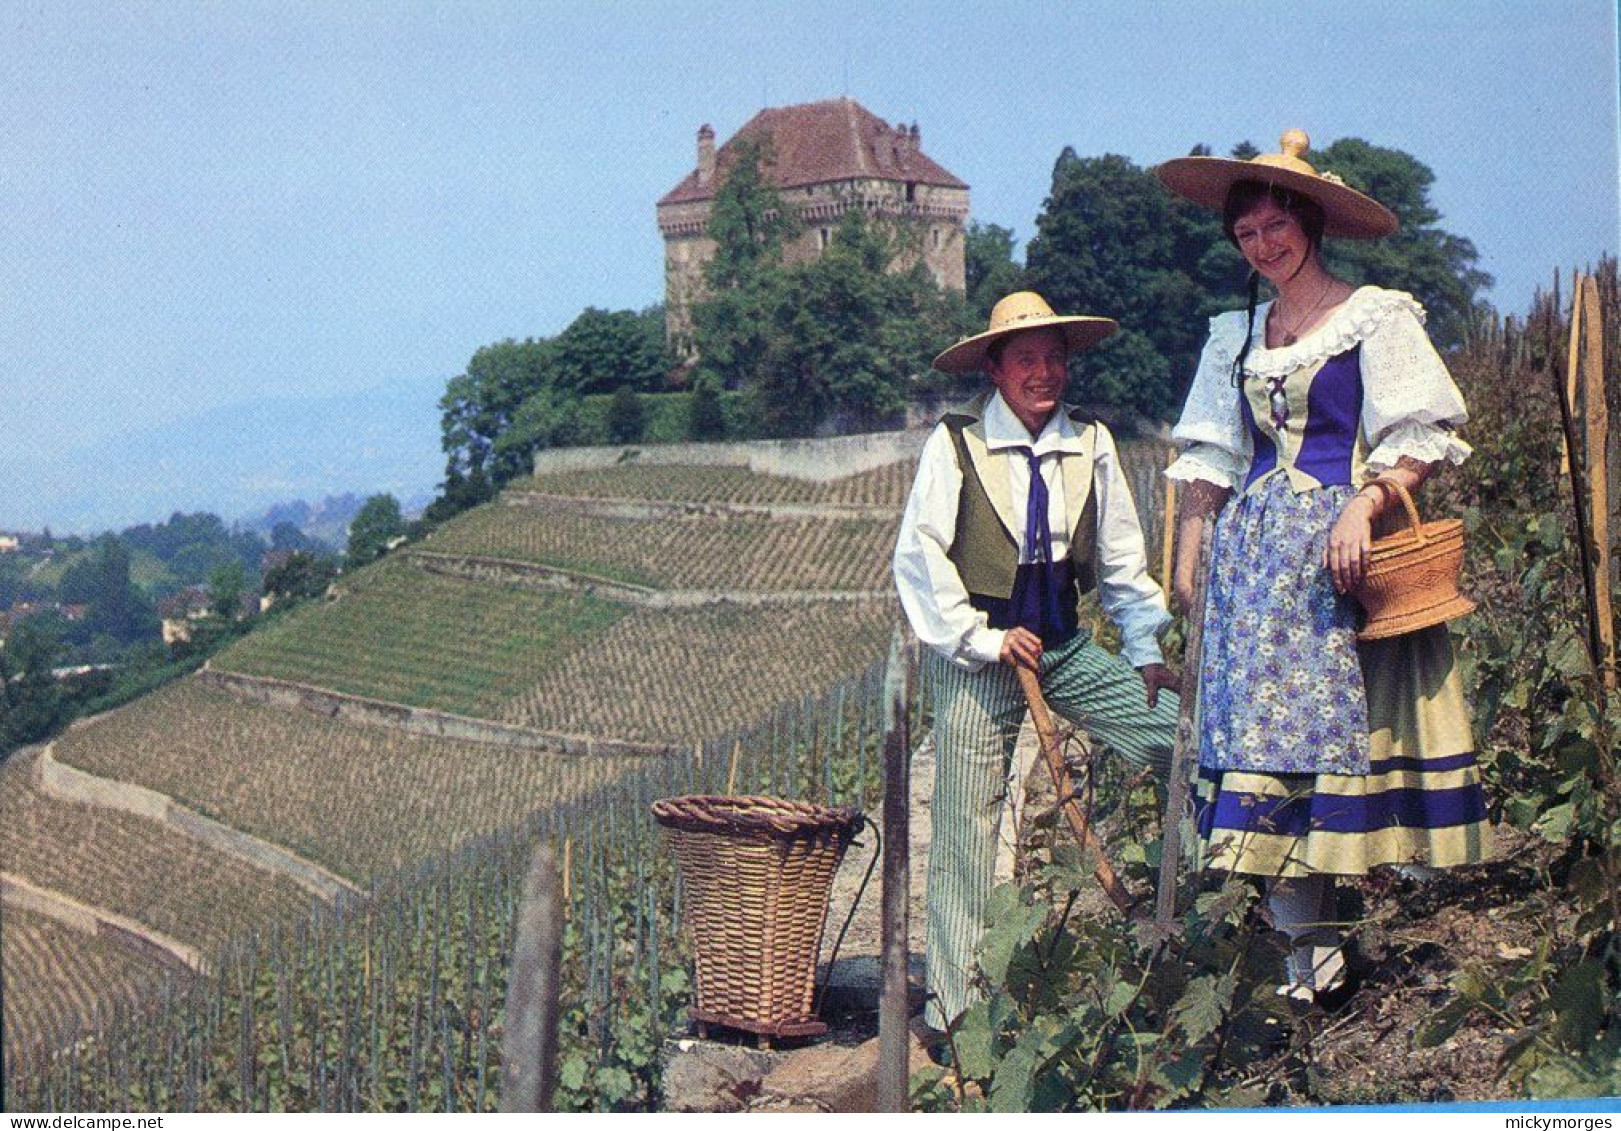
(18, 893)
(533, 575)
(818, 460)
(69, 783)
(421, 720)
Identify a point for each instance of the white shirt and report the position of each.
(931, 590)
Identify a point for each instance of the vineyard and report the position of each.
(57, 978)
(371, 801)
(362, 800)
(397, 633)
(687, 552)
(691, 674)
(396, 1003)
(881, 487)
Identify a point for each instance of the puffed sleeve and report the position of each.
(1410, 404)
(1215, 445)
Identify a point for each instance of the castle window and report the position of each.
(824, 237)
(911, 191)
(936, 232)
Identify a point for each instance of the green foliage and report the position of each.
(748, 222)
(31, 703)
(989, 270)
(602, 350)
(705, 418)
(377, 524)
(625, 418)
(843, 334)
(298, 576)
(1085, 1012)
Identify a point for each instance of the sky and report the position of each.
(213, 205)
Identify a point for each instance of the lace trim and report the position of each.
(1208, 463)
(1423, 442)
(1361, 315)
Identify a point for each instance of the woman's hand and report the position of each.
(1350, 543)
(1022, 648)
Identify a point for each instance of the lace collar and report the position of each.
(1357, 317)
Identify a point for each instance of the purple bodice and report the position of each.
(1312, 415)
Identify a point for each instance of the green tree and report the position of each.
(101, 581)
(377, 524)
(603, 350)
(989, 271)
(31, 701)
(625, 416)
(705, 419)
(226, 586)
(479, 405)
(748, 221)
(299, 575)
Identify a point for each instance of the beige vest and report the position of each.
(984, 548)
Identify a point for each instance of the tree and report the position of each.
(625, 416)
(844, 334)
(226, 585)
(748, 221)
(478, 406)
(298, 576)
(705, 420)
(101, 581)
(31, 702)
(989, 271)
(378, 523)
(602, 351)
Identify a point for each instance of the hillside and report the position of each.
(212, 808)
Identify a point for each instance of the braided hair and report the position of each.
(1241, 200)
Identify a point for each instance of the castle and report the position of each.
(826, 158)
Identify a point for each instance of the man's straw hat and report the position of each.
(1023, 310)
(1206, 180)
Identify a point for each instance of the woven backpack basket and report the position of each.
(757, 872)
(1412, 576)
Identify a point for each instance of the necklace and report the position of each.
(1290, 336)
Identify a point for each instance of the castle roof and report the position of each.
(822, 142)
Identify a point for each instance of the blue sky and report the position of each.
(210, 204)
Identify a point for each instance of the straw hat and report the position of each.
(1023, 310)
(1351, 214)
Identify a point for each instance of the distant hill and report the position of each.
(238, 460)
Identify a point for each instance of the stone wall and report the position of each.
(819, 460)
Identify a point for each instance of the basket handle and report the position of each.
(1407, 502)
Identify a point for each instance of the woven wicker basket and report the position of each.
(1412, 577)
(758, 871)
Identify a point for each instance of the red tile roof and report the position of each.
(822, 142)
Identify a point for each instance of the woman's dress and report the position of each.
(1319, 753)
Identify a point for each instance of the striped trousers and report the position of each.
(976, 726)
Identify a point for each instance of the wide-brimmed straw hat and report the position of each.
(1349, 214)
(1024, 310)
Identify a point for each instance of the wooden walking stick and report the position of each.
(1052, 752)
(1176, 801)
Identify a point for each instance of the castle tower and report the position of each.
(827, 157)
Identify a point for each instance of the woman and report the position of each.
(1319, 755)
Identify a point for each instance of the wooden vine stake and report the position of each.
(1187, 741)
(1584, 387)
(1052, 752)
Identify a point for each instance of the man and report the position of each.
(1019, 508)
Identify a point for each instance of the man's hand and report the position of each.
(1156, 676)
(1022, 647)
